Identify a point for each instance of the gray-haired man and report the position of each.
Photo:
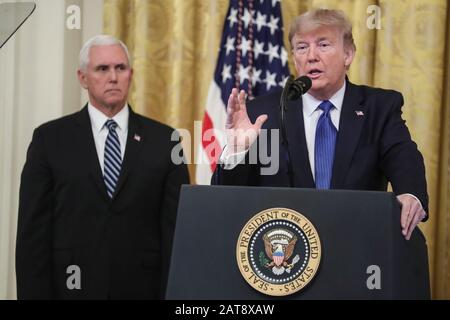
(98, 194)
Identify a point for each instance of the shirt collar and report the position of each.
(310, 104)
(98, 118)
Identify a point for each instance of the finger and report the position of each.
(230, 111)
(413, 212)
(260, 121)
(405, 212)
(416, 212)
(232, 107)
(423, 216)
(413, 224)
(241, 100)
(232, 100)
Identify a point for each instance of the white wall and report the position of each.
(37, 83)
(92, 25)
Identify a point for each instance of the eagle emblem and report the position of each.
(279, 245)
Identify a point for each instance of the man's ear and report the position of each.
(348, 57)
(82, 79)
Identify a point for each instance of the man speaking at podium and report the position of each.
(98, 194)
(341, 135)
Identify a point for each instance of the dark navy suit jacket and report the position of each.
(373, 146)
(121, 245)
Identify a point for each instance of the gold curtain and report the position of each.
(174, 46)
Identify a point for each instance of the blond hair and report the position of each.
(314, 19)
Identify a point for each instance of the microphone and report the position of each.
(293, 89)
(298, 87)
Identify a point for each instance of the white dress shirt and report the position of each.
(100, 131)
(311, 115)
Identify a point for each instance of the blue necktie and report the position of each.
(113, 158)
(324, 147)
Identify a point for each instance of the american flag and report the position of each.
(252, 57)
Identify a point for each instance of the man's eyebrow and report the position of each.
(322, 39)
(101, 66)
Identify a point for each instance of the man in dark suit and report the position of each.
(341, 136)
(99, 193)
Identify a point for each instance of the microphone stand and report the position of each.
(284, 140)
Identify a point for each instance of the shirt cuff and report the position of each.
(229, 160)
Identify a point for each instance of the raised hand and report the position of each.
(241, 133)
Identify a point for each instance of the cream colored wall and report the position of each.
(93, 25)
(37, 83)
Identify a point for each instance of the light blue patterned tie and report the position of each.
(324, 147)
(113, 158)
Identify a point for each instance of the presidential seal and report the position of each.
(278, 252)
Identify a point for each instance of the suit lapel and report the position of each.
(297, 145)
(87, 147)
(135, 141)
(351, 123)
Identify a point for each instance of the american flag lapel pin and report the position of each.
(359, 113)
(137, 138)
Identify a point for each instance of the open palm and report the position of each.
(241, 132)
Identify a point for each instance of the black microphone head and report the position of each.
(298, 87)
(305, 82)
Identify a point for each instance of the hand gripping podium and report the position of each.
(363, 252)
